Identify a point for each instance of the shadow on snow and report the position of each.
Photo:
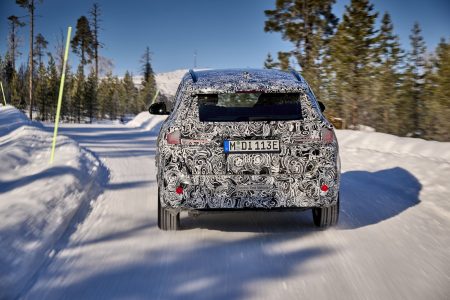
(212, 269)
(367, 198)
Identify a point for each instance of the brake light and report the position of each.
(328, 135)
(179, 190)
(174, 138)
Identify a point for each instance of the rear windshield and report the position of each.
(244, 107)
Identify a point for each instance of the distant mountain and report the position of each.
(168, 82)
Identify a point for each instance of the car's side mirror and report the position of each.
(322, 106)
(158, 108)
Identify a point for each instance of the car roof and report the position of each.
(231, 80)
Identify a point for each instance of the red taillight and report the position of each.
(324, 187)
(179, 190)
(328, 135)
(174, 138)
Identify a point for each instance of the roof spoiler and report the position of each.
(296, 75)
(193, 75)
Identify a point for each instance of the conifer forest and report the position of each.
(91, 90)
(354, 63)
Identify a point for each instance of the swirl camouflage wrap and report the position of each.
(211, 178)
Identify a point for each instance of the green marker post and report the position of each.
(3, 92)
(154, 97)
(61, 88)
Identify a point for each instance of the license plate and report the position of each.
(254, 187)
(251, 146)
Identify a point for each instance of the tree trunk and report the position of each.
(96, 62)
(31, 9)
(13, 46)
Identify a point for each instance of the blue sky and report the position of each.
(224, 33)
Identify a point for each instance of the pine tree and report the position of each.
(269, 63)
(146, 67)
(83, 42)
(148, 82)
(2, 66)
(90, 96)
(53, 88)
(413, 86)
(41, 78)
(109, 98)
(122, 106)
(387, 80)
(79, 93)
(40, 45)
(30, 5)
(435, 116)
(130, 101)
(8, 73)
(67, 99)
(83, 45)
(308, 25)
(58, 60)
(2, 79)
(19, 88)
(42, 93)
(59, 55)
(283, 58)
(15, 92)
(115, 102)
(351, 60)
(103, 95)
(95, 24)
(13, 40)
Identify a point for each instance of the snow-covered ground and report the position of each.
(37, 200)
(147, 122)
(392, 241)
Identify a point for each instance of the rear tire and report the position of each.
(326, 216)
(167, 220)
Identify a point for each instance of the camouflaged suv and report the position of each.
(246, 139)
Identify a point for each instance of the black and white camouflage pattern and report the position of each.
(213, 179)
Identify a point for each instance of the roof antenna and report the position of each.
(193, 75)
(195, 59)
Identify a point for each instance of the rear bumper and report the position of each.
(248, 191)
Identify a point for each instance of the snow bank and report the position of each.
(146, 121)
(11, 119)
(361, 127)
(107, 122)
(37, 200)
(382, 142)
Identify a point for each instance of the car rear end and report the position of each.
(248, 147)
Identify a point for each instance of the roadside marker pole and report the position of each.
(154, 97)
(3, 92)
(61, 88)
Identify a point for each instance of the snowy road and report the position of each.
(392, 241)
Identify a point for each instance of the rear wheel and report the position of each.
(167, 220)
(326, 216)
